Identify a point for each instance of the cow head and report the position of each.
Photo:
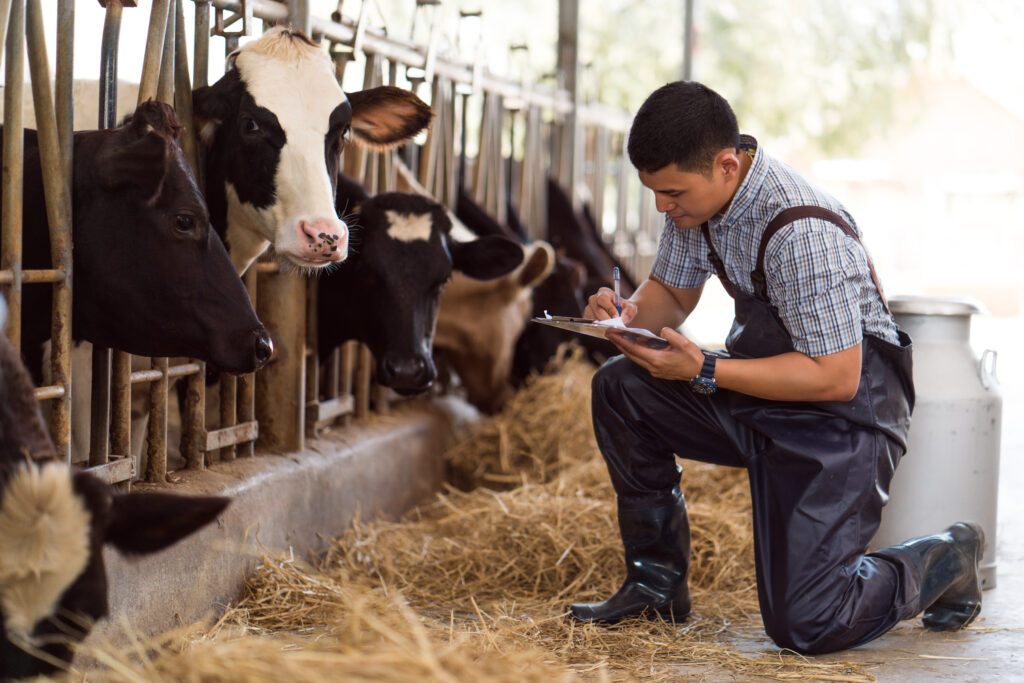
(54, 523)
(274, 125)
(479, 322)
(387, 295)
(151, 277)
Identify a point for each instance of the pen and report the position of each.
(618, 296)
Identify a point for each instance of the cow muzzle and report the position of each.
(320, 241)
(407, 375)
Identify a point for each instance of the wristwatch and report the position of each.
(705, 383)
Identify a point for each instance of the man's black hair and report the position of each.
(683, 123)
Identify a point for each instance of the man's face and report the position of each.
(689, 198)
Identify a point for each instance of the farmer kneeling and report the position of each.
(813, 397)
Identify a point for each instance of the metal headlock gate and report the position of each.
(522, 132)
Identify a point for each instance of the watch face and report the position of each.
(703, 385)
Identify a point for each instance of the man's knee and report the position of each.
(617, 376)
(802, 628)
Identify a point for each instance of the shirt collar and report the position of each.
(748, 189)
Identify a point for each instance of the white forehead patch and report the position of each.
(297, 84)
(44, 543)
(408, 227)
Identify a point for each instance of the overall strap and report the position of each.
(716, 261)
(786, 217)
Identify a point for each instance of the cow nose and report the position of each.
(264, 347)
(407, 375)
(323, 239)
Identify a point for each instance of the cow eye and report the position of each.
(250, 126)
(184, 223)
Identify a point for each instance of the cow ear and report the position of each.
(143, 523)
(385, 116)
(140, 162)
(210, 108)
(539, 262)
(486, 258)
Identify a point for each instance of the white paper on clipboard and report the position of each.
(599, 328)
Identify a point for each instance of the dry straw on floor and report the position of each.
(475, 586)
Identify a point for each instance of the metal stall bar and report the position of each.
(13, 167)
(57, 190)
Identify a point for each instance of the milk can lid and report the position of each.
(931, 305)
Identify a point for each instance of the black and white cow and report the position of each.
(387, 294)
(275, 125)
(150, 276)
(54, 522)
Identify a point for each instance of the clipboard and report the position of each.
(593, 328)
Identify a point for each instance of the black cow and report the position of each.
(150, 276)
(274, 125)
(54, 522)
(387, 294)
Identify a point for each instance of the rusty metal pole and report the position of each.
(156, 441)
(13, 167)
(201, 63)
(281, 385)
(154, 50)
(183, 90)
(247, 382)
(165, 81)
(193, 427)
(58, 213)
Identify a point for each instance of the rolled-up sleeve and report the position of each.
(677, 263)
(815, 274)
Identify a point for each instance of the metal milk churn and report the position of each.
(950, 472)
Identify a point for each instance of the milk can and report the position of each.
(950, 472)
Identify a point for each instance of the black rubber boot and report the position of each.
(657, 545)
(951, 580)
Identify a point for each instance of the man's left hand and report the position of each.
(682, 360)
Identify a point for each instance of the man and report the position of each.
(813, 396)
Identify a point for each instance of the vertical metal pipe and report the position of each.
(201, 63)
(13, 167)
(99, 415)
(120, 404)
(57, 191)
(362, 382)
(99, 432)
(154, 50)
(156, 441)
(687, 40)
(108, 65)
(280, 386)
(247, 382)
(183, 90)
(165, 82)
(193, 425)
(228, 411)
(298, 14)
(65, 81)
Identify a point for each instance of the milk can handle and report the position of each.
(987, 375)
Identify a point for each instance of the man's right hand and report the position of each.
(601, 306)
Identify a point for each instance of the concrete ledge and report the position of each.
(295, 501)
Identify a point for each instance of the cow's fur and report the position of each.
(150, 277)
(54, 522)
(274, 125)
(387, 294)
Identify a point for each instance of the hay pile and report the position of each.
(475, 586)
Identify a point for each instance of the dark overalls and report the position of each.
(819, 471)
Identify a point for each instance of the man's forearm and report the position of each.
(656, 307)
(793, 376)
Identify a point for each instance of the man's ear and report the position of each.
(486, 258)
(386, 116)
(728, 161)
(143, 523)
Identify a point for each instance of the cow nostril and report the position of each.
(264, 347)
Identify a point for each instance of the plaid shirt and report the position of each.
(818, 277)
